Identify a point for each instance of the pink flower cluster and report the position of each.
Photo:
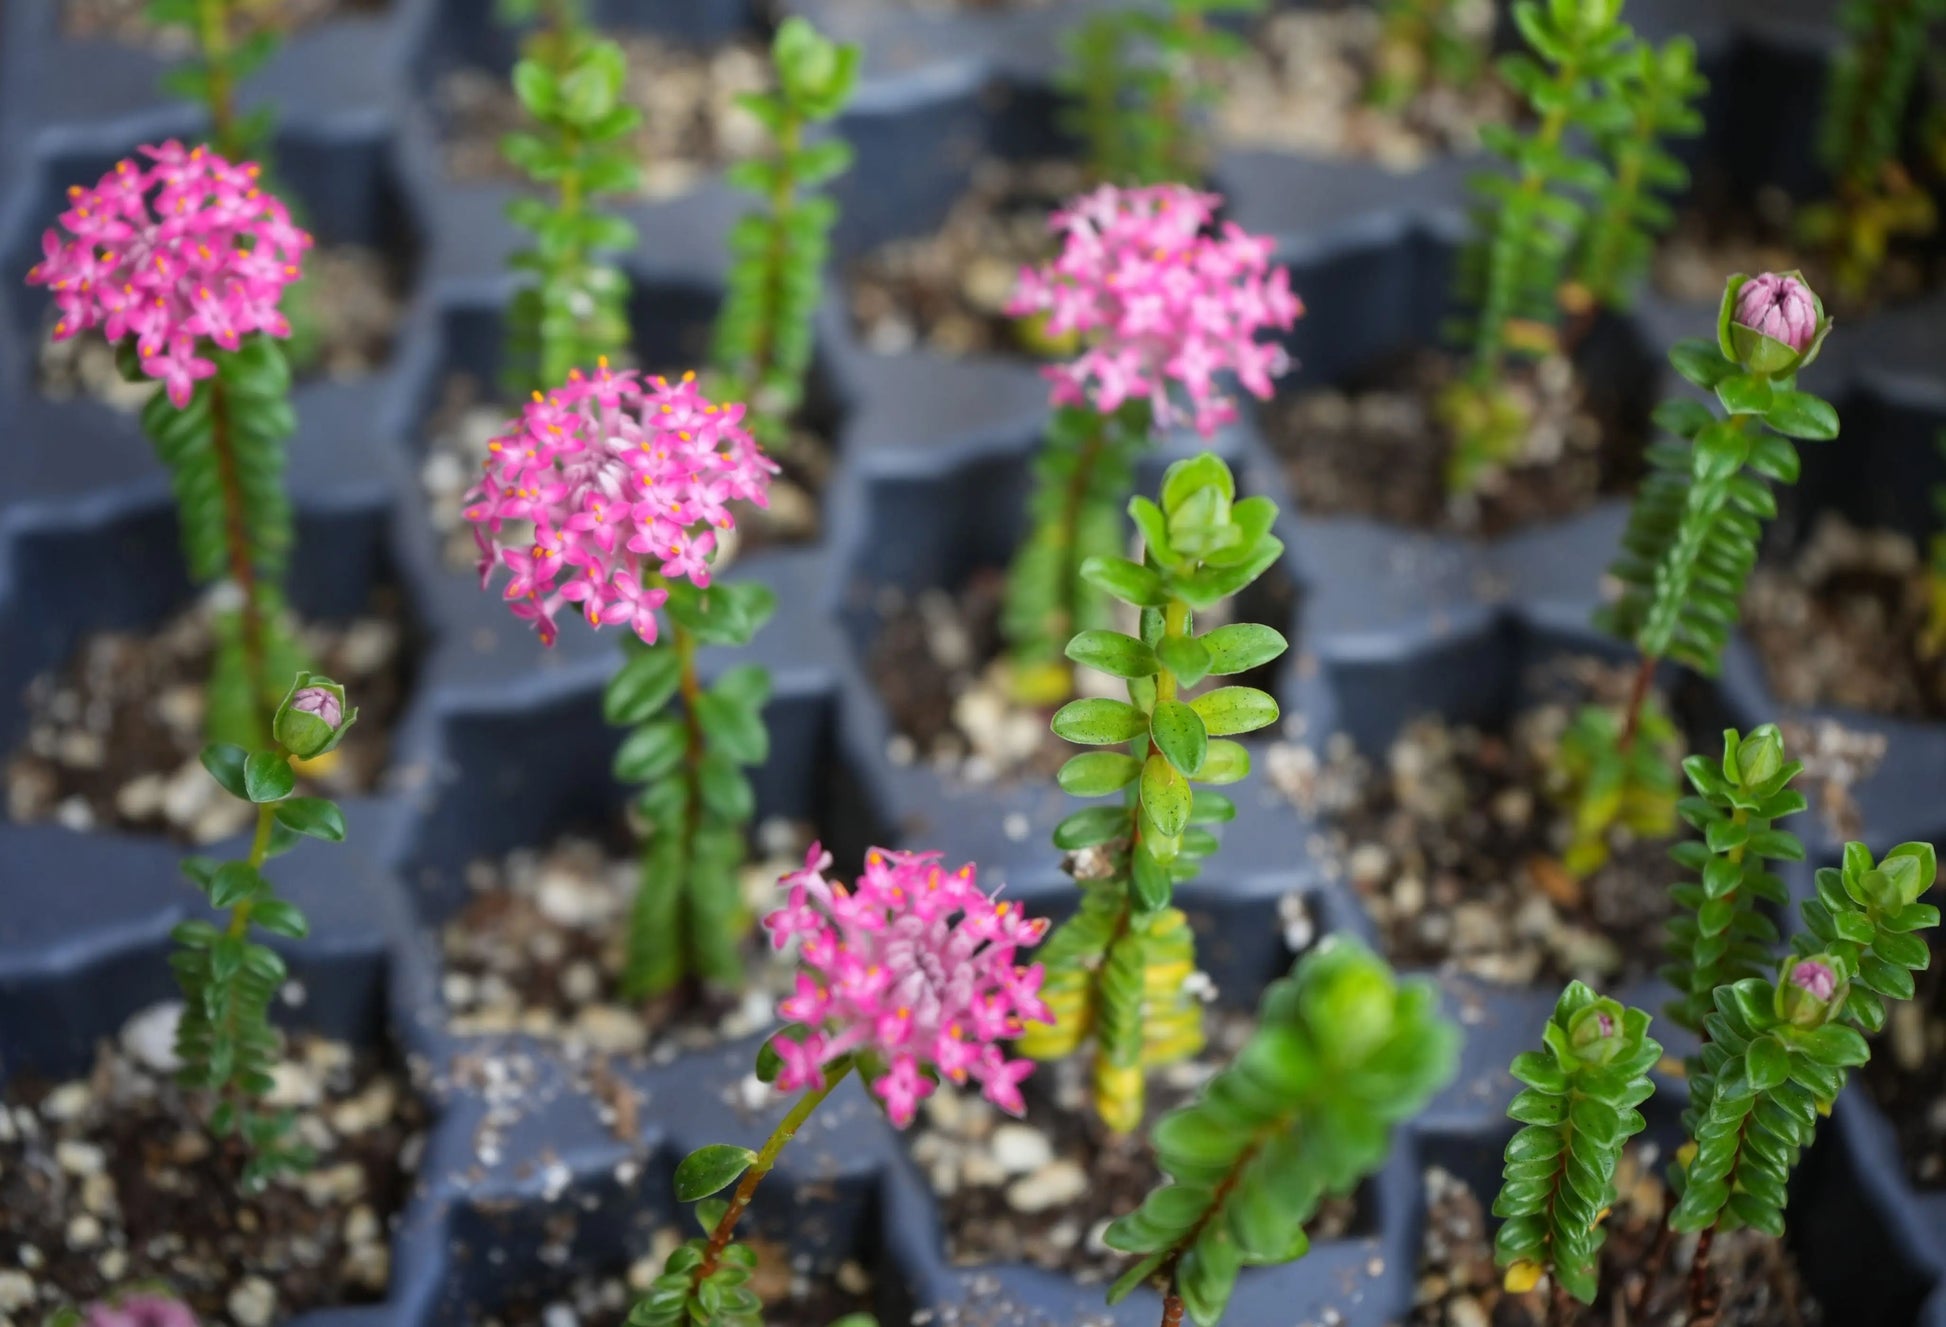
(914, 966)
(1157, 298)
(624, 484)
(185, 248)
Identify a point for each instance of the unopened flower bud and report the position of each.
(1351, 1008)
(313, 718)
(140, 1311)
(1810, 992)
(1760, 756)
(1596, 1032)
(1771, 324)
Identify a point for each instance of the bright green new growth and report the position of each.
(1342, 1053)
(1084, 467)
(571, 307)
(688, 915)
(225, 455)
(1720, 934)
(1658, 90)
(1137, 84)
(1778, 1051)
(1865, 110)
(1424, 43)
(224, 1041)
(762, 348)
(1692, 536)
(1527, 221)
(1578, 1112)
(1117, 968)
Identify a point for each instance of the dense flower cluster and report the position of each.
(913, 967)
(185, 248)
(1157, 298)
(1780, 307)
(623, 484)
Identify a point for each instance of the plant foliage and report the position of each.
(1342, 1053)
(696, 802)
(1577, 1112)
(762, 347)
(1424, 43)
(1116, 969)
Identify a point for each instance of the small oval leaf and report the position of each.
(711, 1169)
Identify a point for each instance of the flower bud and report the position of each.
(1809, 992)
(313, 718)
(1596, 1032)
(140, 1310)
(1771, 324)
(1760, 756)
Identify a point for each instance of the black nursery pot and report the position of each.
(530, 1180)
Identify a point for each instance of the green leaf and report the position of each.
(1113, 653)
(314, 817)
(268, 777)
(735, 729)
(1090, 827)
(1802, 415)
(710, 1169)
(651, 750)
(1230, 710)
(225, 763)
(1242, 646)
(280, 918)
(234, 882)
(1227, 762)
(1130, 582)
(1165, 795)
(642, 687)
(1098, 773)
(1768, 1063)
(1179, 734)
(1097, 721)
(1186, 657)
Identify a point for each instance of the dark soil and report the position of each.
(126, 21)
(1454, 843)
(1719, 236)
(947, 291)
(933, 662)
(468, 417)
(1041, 1190)
(1907, 1072)
(791, 1297)
(112, 1180)
(539, 950)
(691, 125)
(345, 314)
(1460, 1287)
(1375, 450)
(1842, 625)
(114, 737)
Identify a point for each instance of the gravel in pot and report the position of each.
(114, 1179)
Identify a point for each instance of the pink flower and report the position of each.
(1780, 307)
(914, 971)
(140, 1311)
(184, 251)
(622, 483)
(1814, 977)
(1160, 296)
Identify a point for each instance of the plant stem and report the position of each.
(213, 25)
(259, 852)
(690, 687)
(783, 201)
(243, 570)
(766, 1158)
(1171, 1307)
(1518, 210)
(1067, 534)
(1560, 1305)
(1702, 1290)
(1638, 697)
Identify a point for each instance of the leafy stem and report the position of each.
(766, 1158)
(242, 561)
(213, 30)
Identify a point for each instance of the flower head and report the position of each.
(913, 970)
(1157, 297)
(622, 485)
(1771, 324)
(183, 250)
(313, 717)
